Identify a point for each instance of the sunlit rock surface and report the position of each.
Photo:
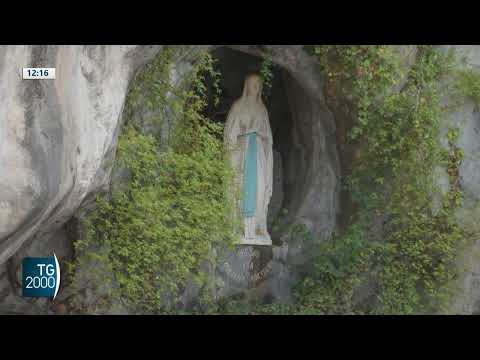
(57, 136)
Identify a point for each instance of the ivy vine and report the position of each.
(157, 232)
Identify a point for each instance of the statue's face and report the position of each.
(253, 85)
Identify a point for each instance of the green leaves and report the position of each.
(468, 84)
(266, 73)
(160, 230)
(394, 176)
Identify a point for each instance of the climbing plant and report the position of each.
(398, 242)
(469, 84)
(157, 231)
(266, 73)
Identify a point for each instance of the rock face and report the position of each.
(57, 136)
(58, 140)
(277, 198)
(467, 119)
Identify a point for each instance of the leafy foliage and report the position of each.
(158, 232)
(469, 84)
(266, 73)
(410, 256)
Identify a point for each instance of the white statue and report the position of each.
(248, 138)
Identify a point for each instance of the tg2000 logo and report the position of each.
(41, 277)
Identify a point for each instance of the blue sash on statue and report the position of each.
(250, 177)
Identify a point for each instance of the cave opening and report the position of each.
(305, 160)
(233, 67)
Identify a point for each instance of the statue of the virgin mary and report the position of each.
(248, 138)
